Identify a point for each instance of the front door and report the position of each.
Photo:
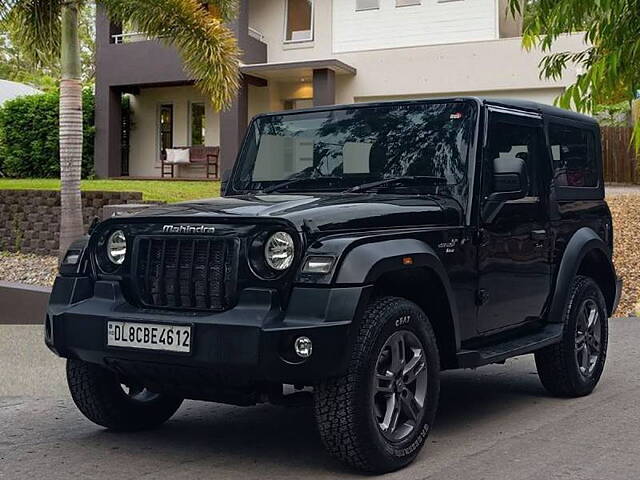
(514, 244)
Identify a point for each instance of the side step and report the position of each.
(549, 335)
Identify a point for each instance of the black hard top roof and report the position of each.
(510, 103)
(538, 107)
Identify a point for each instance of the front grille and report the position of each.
(184, 273)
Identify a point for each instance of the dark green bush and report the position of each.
(29, 139)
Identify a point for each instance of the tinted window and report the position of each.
(574, 158)
(512, 140)
(339, 149)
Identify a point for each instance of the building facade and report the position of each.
(301, 53)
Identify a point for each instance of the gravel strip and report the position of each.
(28, 268)
(625, 209)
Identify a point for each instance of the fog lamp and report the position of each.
(72, 257)
(303, 347)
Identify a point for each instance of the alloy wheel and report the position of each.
(400, 385)
(588, 338)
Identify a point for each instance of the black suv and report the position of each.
(356, 253)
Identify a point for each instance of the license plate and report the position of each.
(149, 336)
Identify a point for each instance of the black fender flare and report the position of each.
(366, 263)
(582, 242)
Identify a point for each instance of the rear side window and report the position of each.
(574, 156)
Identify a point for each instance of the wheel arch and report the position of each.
(424, 281)
(586, 254)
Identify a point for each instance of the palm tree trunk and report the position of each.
(71, 224)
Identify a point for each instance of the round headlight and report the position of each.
(117, 247)
(279, 250)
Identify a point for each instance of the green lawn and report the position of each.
(152, 190)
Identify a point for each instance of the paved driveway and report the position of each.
(494, 423)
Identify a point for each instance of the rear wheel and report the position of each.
(101, 398)
(573, 367)
(377, 416)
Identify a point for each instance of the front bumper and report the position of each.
(247, 344)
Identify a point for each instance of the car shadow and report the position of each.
(269, 436)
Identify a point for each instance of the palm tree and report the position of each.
(48, 29)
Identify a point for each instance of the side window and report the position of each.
(574, 156)
(509, 139)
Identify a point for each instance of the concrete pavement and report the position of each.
(494, 423)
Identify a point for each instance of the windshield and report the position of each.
(338, 150)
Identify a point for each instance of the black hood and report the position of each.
(324, 212)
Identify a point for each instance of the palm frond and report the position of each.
(34, 26)
(226, 10)
(207, 46)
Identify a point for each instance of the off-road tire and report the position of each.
(557, 366)
(343, 411)
(98, 394)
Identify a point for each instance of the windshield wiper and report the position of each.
(293, 181)
(431, 180)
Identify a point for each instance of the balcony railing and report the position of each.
(131, 37)
(256, 34)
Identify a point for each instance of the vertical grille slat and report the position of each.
(183, 273)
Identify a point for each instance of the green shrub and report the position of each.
(29, 138)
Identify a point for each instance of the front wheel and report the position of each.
(378, 415)
(572, 368)
(101, 397)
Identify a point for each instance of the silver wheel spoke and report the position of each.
(586, 357)
(398, 355)
(414, 367)
(592, 317)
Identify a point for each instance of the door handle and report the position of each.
(539, 235)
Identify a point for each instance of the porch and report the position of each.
(158, 121)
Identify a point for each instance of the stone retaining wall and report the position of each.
(30, 219)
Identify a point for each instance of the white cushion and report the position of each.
(177, 155)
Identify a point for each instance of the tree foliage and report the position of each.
(18, 63)
(207, 45)
(609, 64)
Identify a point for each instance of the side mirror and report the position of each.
(510, 182)
(510, 178)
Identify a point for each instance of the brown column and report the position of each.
(108, 155)
(233, 124)
(324, 87)
(108, 107)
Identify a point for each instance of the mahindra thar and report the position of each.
(356, 253)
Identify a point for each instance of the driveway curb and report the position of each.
(22, 304)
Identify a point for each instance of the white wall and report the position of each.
(489, 66)
(543, 95)
(144, 154)
(431, 23)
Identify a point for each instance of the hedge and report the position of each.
(29, 139)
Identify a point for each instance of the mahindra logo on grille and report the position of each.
(189, 229)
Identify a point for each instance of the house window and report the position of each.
(198, 124)
(299, 26)
(165, 127)
(362, 5)
(408, 3)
